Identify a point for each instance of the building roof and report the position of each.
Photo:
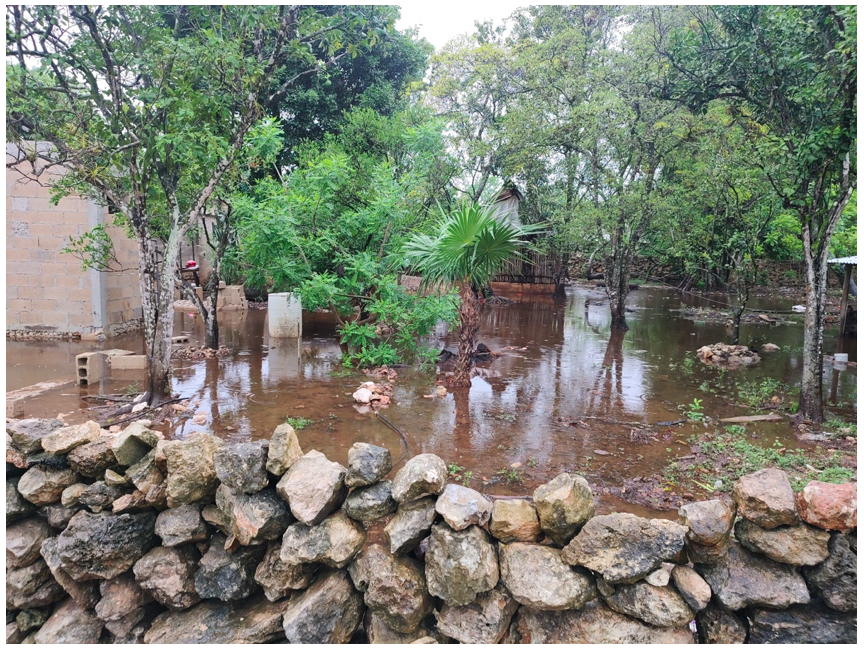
(853, 260)
(509, 192)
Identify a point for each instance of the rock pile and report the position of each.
(130, 538)
(731, 356)
(372, 394)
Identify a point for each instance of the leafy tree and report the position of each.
(468, 248)
(146, 108)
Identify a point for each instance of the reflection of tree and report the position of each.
(462, 429)
(608, 393)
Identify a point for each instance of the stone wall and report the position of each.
(47, 293)
(126, 537)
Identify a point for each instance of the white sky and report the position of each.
(441, 21)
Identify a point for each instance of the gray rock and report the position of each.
(460, 564)
(691, 586)
(14, 634)
(411, 525)
(327, 612)
(813, 623)
(102, 546)
(113, 478)
(462, 507)
(57, 515)
(70, 623)
(709, 522)
(284, 450)
(24, 541)
(333, 542)
(766, 498)
(254, 518)
(17, 506)
(227, 577)
(93, 458)
(65, 439)
(242, 467)
(483, 621)
(716, 625)
(99, 496)
(537, 577)
(743, 579)
(133, 443)
(378, 632)
(31, 586)
(836, 579)
(623, 547)
(145, 474)
(660, 577)
(215, 517)
(212, 622)
(367, 464)
(32, 619)
(594, 623)
(120, 597)
(71, 496)
(564, 505)
(123, 627)
(369, 503)
(700, 554)
(27, 434)
(181, 525)
(423, 475)
(279, 578)
(801, 545)
(42, 485)
(85, 593)
(394, 588)
(168, 575)
(660, 606)
(515, 520)
(191, 469)
(313, 487)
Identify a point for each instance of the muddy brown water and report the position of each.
(554, 401)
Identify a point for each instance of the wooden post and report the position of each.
(844, 304)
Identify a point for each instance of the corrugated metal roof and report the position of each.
(845, 260)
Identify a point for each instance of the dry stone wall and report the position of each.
(129, 538)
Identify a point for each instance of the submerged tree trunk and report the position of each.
(810, 400)
(736, 323)
(561, 276)
(469, 323)
(616, 270)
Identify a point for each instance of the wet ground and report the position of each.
(563, 396)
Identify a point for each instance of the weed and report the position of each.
(756, 394)
(511, 475)
(532, 462)
(839, 428)
(506, 417)
(688, 365)
(695, 413)
(466, 477)
(132, 389)
(299, 423)
(454, 470)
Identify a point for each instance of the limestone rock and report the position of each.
(102, 546)
(313, 487)
(227, 577)
(716, 625)
(594, 623)
(284, 450)
(700, 554)
(564, 505)
(32, 619)
(14, 634)
(623, 547)
(829, 506)
(71, 496)
(766, 498)
(182, 525)
(57, 515)
(333, 542)
(515, 520)
(215, 517)
(145, 474)
(133, 443)
(378, 632)
(412, 524)
(120, 597)
(483, 621)
(801, 545)
(31, 586)
(813, 623)
(42, 485)
(85, 593)
(93, 458)
(660, 606)
(24, 541)
(394, 588)
(70, 623)
(836, 579)
(212, 622)
(168, 575)
(743, 579)
(27, 434)
(660, 577)
(460, 564)
(99, 496)
(242, 467)
(130, 628)
(692, 587)
(371, 502)
(462, 507)
(709, 522)
(113, 478)
(16, 505)
(191, 469)
(254, 518)
(279, 578)
(423, 475)
(367, 464)
(327, 612)
(537, 577)
(65, 439)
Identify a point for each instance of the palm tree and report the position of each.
(468, 249)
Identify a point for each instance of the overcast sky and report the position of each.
(441, 21)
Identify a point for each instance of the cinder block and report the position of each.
(14, 407)
(31, 293)
(44, 305)
(17, 255)
(129, 362)
(18, 305)
(41, 230)
(284, 315)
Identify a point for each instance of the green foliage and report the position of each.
(695, 413)
(94, 249)
(299, 423)
(757, 393)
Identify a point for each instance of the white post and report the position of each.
(285, 316)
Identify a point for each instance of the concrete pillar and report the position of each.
(283, 359)
(285, 316)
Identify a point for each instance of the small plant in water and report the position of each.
(695, 413)
(506, 417)
(688, 365)
(510, 474)
(299, 423)
(132, 389)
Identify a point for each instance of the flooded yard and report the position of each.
(563, 396)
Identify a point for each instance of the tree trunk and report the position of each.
(211, 322)
(469, 323)
(561, 277)
(810, 401)
(616, 270)
(736, 323)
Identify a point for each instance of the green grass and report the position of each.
(299, 423)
